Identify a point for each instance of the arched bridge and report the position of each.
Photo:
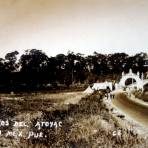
(139, 82)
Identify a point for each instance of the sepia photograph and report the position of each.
(73, 74)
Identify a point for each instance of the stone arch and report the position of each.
(130, 75)
(130, 81)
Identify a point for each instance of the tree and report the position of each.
(116, 62)
(97, 63)
(80, 68)
(34, 67)
(139, 62)
(10, 61)
(60, 65)
(34, 61)
(2, 65)
(69, 68)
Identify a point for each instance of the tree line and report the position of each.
(35, 70)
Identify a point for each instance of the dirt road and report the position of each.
(135, 110)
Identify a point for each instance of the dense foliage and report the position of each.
(34, 69)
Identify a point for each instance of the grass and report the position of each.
(85, 124)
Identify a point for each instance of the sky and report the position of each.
(81, 26)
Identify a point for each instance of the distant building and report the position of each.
(104, 85)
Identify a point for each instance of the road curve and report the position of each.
(136, 110)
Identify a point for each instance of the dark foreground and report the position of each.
(87, 124)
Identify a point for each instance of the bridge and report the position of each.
(139, 81)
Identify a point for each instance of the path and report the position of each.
(135, 110)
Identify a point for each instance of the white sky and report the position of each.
(85, 26)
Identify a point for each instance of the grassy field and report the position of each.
(86, 122)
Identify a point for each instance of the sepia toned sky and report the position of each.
(85, 26)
